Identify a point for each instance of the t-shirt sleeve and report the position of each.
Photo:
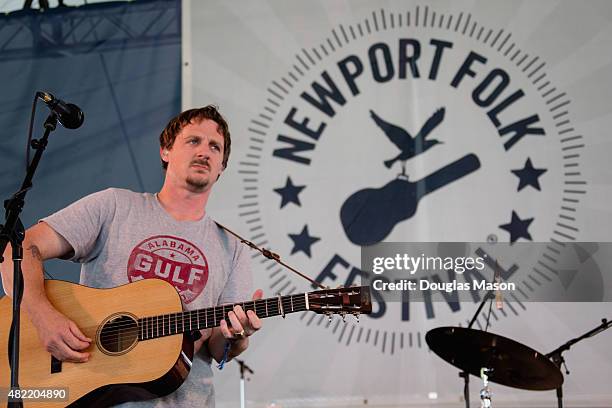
(239, 285)
(84, 223)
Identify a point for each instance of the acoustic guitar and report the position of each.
(142, 346)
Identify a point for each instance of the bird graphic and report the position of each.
(409, 146)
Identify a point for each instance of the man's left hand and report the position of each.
(243, 324)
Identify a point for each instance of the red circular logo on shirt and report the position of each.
(172, 259)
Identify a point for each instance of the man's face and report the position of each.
(195, 159)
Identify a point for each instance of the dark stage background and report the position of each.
(121, 64)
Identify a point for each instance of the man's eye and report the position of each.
(216, 147)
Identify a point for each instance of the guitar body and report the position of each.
(150, 369)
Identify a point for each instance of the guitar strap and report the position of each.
(271, 255)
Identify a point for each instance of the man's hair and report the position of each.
(176, 124)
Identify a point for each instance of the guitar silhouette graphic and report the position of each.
(369, 215)
(409, 146)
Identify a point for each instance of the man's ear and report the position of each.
(163, 153)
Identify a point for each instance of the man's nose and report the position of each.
(204, 152)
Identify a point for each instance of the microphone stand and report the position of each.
(464, 374)
(243, 368)
(557, 357)
(14, 232)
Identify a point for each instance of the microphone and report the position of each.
(69, 115)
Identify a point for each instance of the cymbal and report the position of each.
(513, 363)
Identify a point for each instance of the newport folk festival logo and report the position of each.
(409, 126)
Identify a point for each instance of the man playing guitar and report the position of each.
(120, 236)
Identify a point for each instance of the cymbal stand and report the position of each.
(557, 355)
(464, 374)
(485, 393)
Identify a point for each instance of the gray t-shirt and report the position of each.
(120, 236)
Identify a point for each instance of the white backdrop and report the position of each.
(533, 90)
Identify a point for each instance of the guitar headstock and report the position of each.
(352, 300)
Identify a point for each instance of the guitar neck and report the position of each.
(152, 327)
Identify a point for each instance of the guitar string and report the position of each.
(155, 324)
(260, 303)
(130, 329)
(116, 334)
(202, 314)
(137, 330)
(256, 303)
(218, 309)
(260, 309)
(154, 331)
(257, 306)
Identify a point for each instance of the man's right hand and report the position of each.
(60, 336)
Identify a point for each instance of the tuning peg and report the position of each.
(329, 316)
(343, 314)
(356, 314)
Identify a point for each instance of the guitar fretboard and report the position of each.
(152, 327)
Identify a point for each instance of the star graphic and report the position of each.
(518, 228)
(289, 193)
(303, 241)
(528, 176)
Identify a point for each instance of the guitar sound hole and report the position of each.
(118, 334)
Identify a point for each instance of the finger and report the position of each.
(225, 329)
(67, 354)
(258, 294)
(76, 357)
(73, 342)
(78, 333)
(254, 320)
(242, 317)
(236, 326)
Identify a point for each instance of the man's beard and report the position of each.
(197, 185)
